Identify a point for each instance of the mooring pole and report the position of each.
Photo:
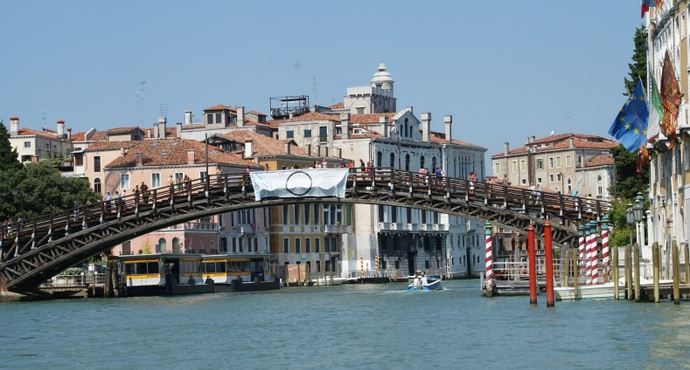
(655, 266)
(676, 272)
(488, 233)
(532, 265)
(548, 255)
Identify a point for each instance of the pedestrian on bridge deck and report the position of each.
(108, 199)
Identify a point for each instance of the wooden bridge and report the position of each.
(40, 248)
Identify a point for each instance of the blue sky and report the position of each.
(504, 69)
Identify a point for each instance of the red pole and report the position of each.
(548, 255)
(532, 266)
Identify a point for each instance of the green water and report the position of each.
(347, 327)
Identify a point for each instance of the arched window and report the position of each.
(600, 185)
(421, 162)
(392, 160)
(407, 162)
(160, 247)
(379, 159)
(175, 245)
(97, 185)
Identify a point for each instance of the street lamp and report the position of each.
(638, 215)
(630, 219)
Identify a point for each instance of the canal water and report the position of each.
(346, 327)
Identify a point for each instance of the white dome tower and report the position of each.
(382, 79)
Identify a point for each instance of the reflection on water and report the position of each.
(346, 327)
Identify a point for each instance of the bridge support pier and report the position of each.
(3, 286)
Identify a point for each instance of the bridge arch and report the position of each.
(47, 245)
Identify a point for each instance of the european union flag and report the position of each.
(630, 126)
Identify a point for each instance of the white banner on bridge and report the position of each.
(313, 182)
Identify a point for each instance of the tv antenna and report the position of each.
(316, 96)
(164, 110)
(140, 101)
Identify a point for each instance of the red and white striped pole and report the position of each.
(489, 260)
(581, 249)
(548, 256)
(605, 246)
(588, 255)
(595, 254)
(532, 265)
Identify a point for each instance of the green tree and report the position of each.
(45, 191)
(8, 155)
(638, 68)
(628, 182)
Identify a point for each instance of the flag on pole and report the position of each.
(630, 126)
(670, 100)
(646, 4)
(656, 113)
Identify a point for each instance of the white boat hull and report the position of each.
(599, 291)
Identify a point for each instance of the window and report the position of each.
(524, 181)
(551, 178)
(296, 219)
(497, 168)
(160, 247)
(307, 245)
(540, 163)
(551, 162)
(27, 144)
(298, 245)
(219, 118)
(392, 164)
(202, 176)
(568, 161)
(360, 110)
(600, 186)
(307, 212)
(323, 133)
(317, 245)
(558, 161)
(290, 134)
(286, 245)
(97, 164)
(124, 181)
(307, 133)
(332, 214)
(155, 180)
(559, 177)
(97, 185)
(514, 166)
(209, 118)
(286, 215)
(522, 165)
(539, 180)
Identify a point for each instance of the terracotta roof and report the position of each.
(263, 145)
(367, 135)
(78, 136)
(100, 146)
(369, 118)
(174, 153)
(221, 107)
(560, 142)
(193, 126)
(99, 136)
(171, 132)
(30, 132)
(441, 140)
(337, 105)
(311, 116)
(599, 160)
(122, 130)
(255, 112)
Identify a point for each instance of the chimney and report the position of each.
(448, 120)
(248, 151)
(240, 116)
(345, 126)
(532, 138)
(69, 134)
(188, 117)
(426, 121)
(287, 148)
(155, 130)
(384, 122)
(506, 148)
(178, 127)
(190, 156)
(572, 142)
(140, 160)
(161, 127)
(61, 129)
(14, 125)
(123, 152)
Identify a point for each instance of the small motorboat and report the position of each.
(425, 283)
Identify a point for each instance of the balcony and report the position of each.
(208, 226)
(411, 227)
(334, 229)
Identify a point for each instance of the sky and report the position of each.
(504, 69)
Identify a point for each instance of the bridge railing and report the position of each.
(398, 180)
